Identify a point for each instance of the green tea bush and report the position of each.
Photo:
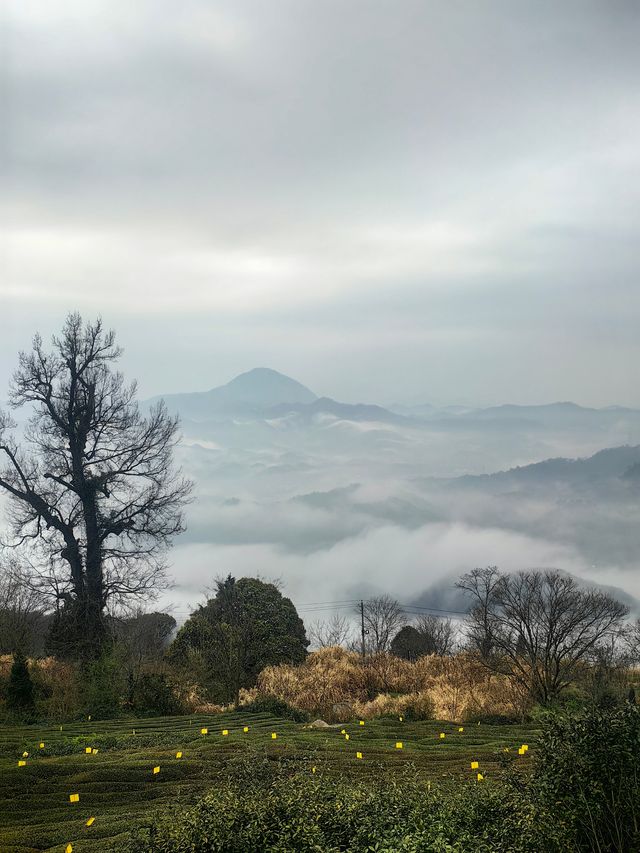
(276, 708)
(303, 814)
(586, 774)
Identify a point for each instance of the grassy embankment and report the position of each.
(117, 785)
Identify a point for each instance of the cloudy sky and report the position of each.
(387, 200)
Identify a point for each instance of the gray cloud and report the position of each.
(394, 199)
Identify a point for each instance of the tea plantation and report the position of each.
(110, 766)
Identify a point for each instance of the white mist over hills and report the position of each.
(340, 500)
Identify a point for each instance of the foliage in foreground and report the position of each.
(320, 814)
(582, 795)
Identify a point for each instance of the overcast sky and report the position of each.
(397, 200)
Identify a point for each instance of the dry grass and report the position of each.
(454, 688)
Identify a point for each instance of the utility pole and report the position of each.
(362, 627)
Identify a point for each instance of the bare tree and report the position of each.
(21, 610)
(537, 627)
(336, 632)
(383, 617)
(143, 639)
(93, 489)
(438, 633)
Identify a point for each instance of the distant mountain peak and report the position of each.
(265, 386)
(246, 395)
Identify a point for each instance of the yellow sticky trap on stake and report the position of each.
(442, 735)
(401, 719)
(178, 755)
(245, 729)
(461, 729)
(74, 798)
(25, 755)
(525, 747)
(521, 751)
(273, 735)
(343, 732)
(346, 737)
(474, 765)
(225, 732)
(22, 763)
(313, 769)
(480, 777)
(94, 752)
(41, 745)
(87, 749)
(399, 744)
(90, 821)
(362, 722)
(156, 770)
(89, 716)
(204, 731)
(68, 849)
(358, 755)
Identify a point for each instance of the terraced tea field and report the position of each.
(110, 766)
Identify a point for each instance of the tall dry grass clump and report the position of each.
(329, 677)
(334, 681)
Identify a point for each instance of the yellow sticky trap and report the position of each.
(401, 719)
(273, 735)
(25, 755)
(87, 749)
(156, 770)
(362, 722)
(343, 732)
(225, 732)
(521, 751)
(358, 755)
(22, 763)
(90, 821)
(178, 755)
(480, 777)
(245, 729)
(399, 744)
(204, 731)
(74, 798)
(313, 769)
(89, 717)
(525, 747)
(474, 765)
(60, 728)
(41, 745)
(68, 849)
(461, 729)
(134, 731)
(94, 752)
(346, 737)
(442, 736)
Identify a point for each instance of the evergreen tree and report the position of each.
(20, 687)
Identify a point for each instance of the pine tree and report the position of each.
(20, 687)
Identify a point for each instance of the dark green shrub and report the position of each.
(102, 687)
(277, 708)
(586, 773)
(153, 696)
(20, 699)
